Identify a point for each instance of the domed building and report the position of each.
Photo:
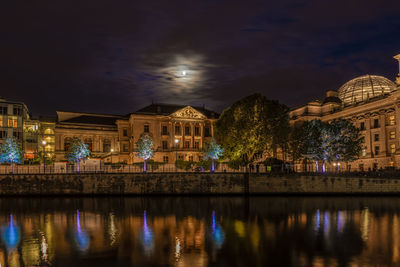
(372, 103)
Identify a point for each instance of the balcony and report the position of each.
(180, 149)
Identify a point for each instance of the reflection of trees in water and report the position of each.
(266, 230)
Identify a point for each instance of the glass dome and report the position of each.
(363, 88)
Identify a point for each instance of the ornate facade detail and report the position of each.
(188, 112)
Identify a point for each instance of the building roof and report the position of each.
(364, 88)
(98, 120)
(168, 109)
(333, 99)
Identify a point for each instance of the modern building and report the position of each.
(39, 138)
(12, 117)
(372, 103)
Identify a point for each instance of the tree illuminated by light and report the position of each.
(214, 152)
(11, 152)
(145, 149)
(77, 151)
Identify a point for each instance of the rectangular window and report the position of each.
(392, 120)
(392, 148)
(3, 134)
(362, 126)
(164, 130)
(165, 144)
(190, 158)
(392, 134)
(187, 130)
(196, 145)
(165, 159)
(125, 132)
(207, 132)
(197, 131)
(17, 111)
(376, 137)
(17, 135)
(3, 110)
(12, 122)
(125, 147)
(177, 130)
(180, 157)
(1, 121)
(377, 150)
(376, 123)
(146, 129)
(187, 144)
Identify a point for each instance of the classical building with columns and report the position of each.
(178, 132)
(372, 103)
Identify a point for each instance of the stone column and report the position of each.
(192, 134)
(368, 138)
(382, 135)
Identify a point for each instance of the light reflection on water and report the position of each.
(234, 231)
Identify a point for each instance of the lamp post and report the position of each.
(44, 156)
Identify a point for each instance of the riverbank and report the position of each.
(191, 183)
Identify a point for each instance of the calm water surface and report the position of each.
(201, 231)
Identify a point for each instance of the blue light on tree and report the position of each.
(81, 236)
(11, 152)
(10, 235)
(145, 149)
(77, 151)
(214, 151)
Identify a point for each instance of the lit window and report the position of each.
(392, 148)
(12, 122)
(392, 134)
(392, 120)
(1, 121)
(363, 152)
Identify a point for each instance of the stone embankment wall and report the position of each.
(190, 183)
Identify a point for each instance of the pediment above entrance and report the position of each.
(188, 113)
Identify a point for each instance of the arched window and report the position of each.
(106, 145)
(89, 143)
(67, 143)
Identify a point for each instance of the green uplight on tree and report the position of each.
(10, 151)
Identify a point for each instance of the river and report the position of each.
(200, 231)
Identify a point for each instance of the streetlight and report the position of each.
(44, 156)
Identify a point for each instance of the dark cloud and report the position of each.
(117, 56)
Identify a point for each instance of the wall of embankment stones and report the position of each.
(190, 183)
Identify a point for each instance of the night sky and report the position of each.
(118, 56)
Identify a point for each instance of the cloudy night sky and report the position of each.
(118, 56)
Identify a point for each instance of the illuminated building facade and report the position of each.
(178, 132)
(371, 103)
(12, 117)
(39, 136)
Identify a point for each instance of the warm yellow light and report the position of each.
(112, 150)
(44, 142)
(176, 141)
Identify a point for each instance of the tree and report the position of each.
(314, 141)
(77, 151)
(345, 142)
(295, 144)
(213, 151)
(10, 151)
(251, 125)
(145, 149)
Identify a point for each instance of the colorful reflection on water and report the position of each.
(259, 231)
